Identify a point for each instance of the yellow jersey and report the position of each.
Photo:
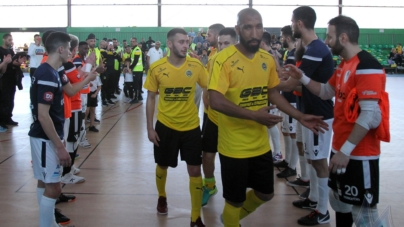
(212, 114)
(176, 106)
(244, 82)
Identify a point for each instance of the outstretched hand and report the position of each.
(314, 123)
(292, 71)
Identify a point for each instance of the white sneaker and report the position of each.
(85, 144)
(127, 100)
(72, 179)
(75, 170)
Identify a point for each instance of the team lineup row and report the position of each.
(239, 82)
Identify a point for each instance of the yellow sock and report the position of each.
(195, 188)
(161, 177)
(231, 215)
(210, 183)
(251, 203)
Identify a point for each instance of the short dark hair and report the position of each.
(124, 40)
(55, 40)
(287, 32)
(175, 31)
(74, 42)
(229, 31)
(244, 12)
(266, 38)
(45, 36)
(216, 28)
(5, 36)
(113, 39)
(83, 43)
(307, 15)
(347, 25)
(36, 35)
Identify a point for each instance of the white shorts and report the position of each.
(288, 123)
(274, 111)
(299, 136)
(45, 162)
(83, 102)
(317, 147)
(66, 128)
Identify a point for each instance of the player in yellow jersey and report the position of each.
(243, 80)
(177, 127)
(225, 38)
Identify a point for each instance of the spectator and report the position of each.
(198, 39)
(144, 46)
(399, 49)
(204, 57)
(394, 56)
(198, 49)
(203, 33)
(36, 52)
(192, 33)
(149, 42)
(155, 53)
(125, 43)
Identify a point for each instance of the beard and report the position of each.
(297, 34)
(246, 44)
(337, 48)
(177, 53)
(285, 44)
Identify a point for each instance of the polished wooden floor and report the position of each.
(120, 191)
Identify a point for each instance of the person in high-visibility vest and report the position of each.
(117, 67)
(137, 68)
(91, 43)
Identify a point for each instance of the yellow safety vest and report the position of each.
(97, 55)
(125, 56)
(139, 66)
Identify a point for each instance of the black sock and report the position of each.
(343, 219)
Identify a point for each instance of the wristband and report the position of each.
(87, 68)
(347, 148)
(305, 79)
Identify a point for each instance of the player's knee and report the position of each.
(194, 171)
(337, 205)
(53, 190)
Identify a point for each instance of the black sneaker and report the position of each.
(60, 218)
(305, 204)
(314, 218)
(134, 101)
(11, 122)
(140, 98)
(282, 164)
(4, 126)
(65, 198)
(117, 92)
(113, 97)
(104, 103)
(110, 101)
(96, 120)
(287, 172)
(305, 194)
(299, 183)
(93, 129)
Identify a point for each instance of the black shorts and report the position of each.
(238, 174)
(188, 143)
(75, 125)
(209, 137)
(205, 117)
(92, 102)
(360, 182)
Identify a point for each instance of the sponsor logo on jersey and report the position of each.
(241, 69)
(264, 66)
(48, 96)
(233, 63)
(369, 93)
